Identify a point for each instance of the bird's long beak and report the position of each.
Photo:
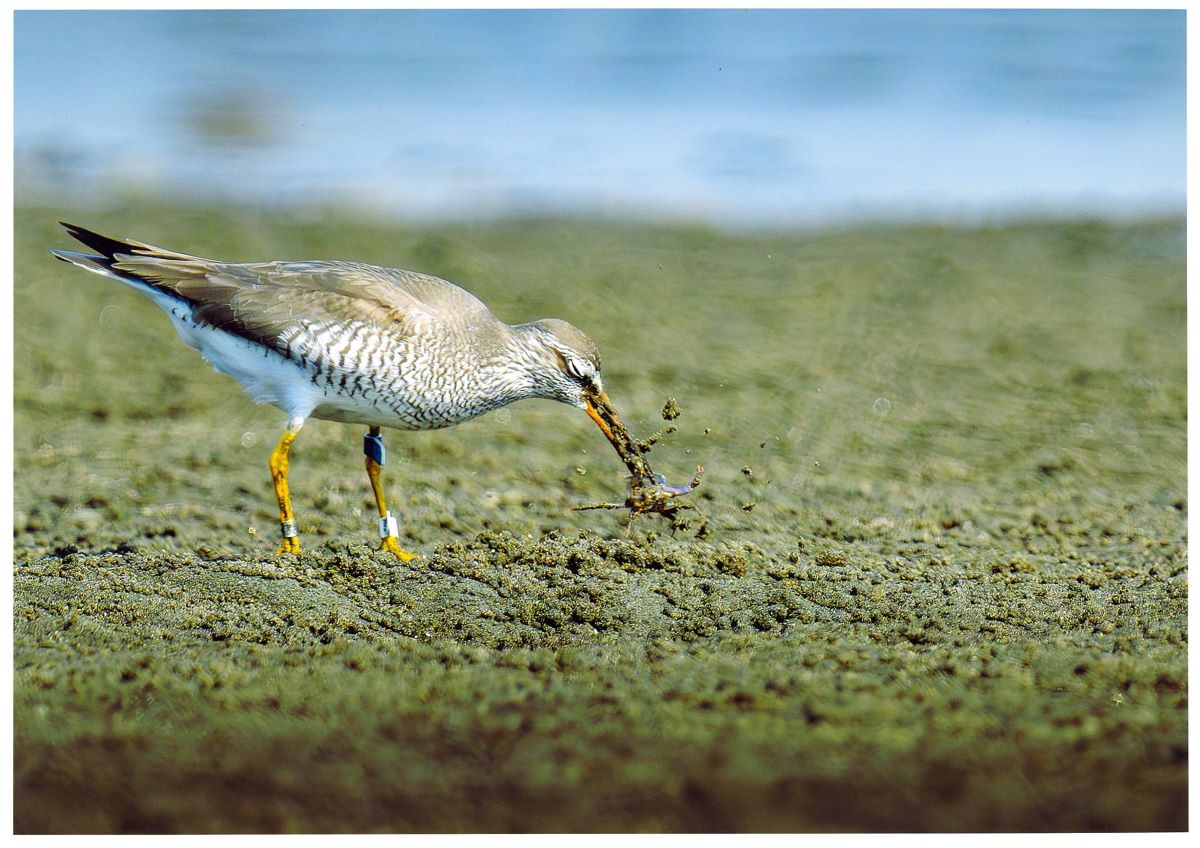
(602, 411)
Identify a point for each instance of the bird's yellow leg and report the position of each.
(290, 543)
(373, 448)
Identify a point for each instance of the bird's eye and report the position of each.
(574, 369)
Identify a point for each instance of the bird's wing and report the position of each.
(268, 302)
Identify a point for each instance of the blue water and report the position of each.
(738, 117)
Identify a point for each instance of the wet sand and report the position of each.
(941, 584)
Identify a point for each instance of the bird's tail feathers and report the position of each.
(112, 252)
(88, 262)
(110, 248)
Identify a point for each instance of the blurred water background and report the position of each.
(740, 118)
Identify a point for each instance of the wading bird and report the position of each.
(360, 344)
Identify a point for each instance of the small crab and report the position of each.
(658, 496)
(648, 492)
(652, 497)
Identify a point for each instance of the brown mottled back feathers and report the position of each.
(265, 301)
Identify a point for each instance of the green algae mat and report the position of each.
(937, 580)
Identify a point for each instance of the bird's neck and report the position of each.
(520, 368)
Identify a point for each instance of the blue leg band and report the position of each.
(373, 447)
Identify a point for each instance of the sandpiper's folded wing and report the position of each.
(267, 302)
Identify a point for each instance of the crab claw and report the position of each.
(685, 488)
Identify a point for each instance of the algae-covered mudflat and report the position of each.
(942, 584)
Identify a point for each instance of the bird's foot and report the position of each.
(392, 545)
(289, 545)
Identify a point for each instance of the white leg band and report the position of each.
(388, 526)
(289, 528)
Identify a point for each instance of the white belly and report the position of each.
(267, 376)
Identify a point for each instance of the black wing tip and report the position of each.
(107, 246)
(74, 229)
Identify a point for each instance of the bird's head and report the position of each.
(568, 370)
